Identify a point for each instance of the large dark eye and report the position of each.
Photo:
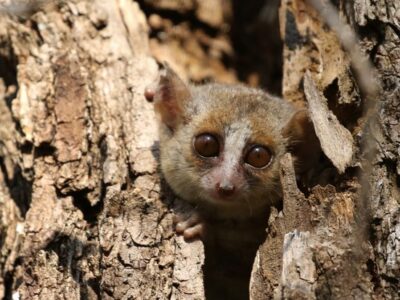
(206, 145)
(258, 157)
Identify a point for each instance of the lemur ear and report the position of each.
(303, 142)
(169, 95)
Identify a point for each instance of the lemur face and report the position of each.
(221, 144)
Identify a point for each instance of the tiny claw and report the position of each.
(194, 232)
(180, 228)
(149, 94)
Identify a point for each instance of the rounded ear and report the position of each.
(169, 95)
(303, 142)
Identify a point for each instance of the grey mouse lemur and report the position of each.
(220, 147)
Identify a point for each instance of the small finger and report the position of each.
(149, 94)
(185, 222)
(180, 227)
(195, 232)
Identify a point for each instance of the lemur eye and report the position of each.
(258, 157)
(206, 145)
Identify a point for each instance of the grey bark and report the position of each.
(81, 215)
(341, 241)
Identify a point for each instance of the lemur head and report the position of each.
(221, 144)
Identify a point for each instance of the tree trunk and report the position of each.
(83, 213)
(341, 239)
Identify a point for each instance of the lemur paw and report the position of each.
(192, 227)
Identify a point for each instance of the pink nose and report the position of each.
(225, 189)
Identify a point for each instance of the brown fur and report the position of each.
(239, 117)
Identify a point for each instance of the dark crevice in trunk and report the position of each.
(9, 278)
(20, 191)
(89, 211)
(256, 40)
(176, 17)
(8, 70)
(43, 150)
(81, 201)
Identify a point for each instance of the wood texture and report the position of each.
(80, 194)
(336, 141)
(347, 249)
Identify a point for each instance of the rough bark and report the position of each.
(340, 239)
(83, 213)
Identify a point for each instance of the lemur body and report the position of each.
(220, 147)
